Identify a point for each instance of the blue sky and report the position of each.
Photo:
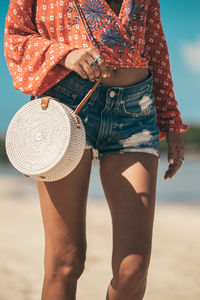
(181, 25)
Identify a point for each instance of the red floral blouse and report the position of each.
(38, 36)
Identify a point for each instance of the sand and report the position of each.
(174, 271)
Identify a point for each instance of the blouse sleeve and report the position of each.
(32, 59)
(168, 115)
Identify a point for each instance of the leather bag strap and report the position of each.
(85, 99)
(45, 100)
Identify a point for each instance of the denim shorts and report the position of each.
(117, 119)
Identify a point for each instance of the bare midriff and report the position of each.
(126, 76)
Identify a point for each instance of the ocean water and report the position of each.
(184, 187)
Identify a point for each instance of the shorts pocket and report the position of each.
(68, 96)
(140, 104)
(70, 93)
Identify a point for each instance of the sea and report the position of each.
(183, 188)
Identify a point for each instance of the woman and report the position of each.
(48, 52)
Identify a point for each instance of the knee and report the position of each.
(65, 265)
(132, 274)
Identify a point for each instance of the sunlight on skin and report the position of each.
(141, 185)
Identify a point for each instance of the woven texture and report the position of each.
(45, 144)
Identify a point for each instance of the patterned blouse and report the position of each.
(38, 36)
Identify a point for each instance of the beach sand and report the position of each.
(174, 268)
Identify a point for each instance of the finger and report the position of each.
(104, 69)
(172, 155)
(96, 68)
(175, 152)
(169, 171)
(179, 155)
(88, 70)
(102, 64)
(180, 152)
(179, 161)
(172, 171)
(173, 168)
(81, 72)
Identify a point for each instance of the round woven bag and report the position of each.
(45, 143)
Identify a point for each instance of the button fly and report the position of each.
(112, 94)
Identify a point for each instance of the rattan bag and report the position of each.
(46, 139)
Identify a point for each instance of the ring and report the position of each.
(181, 159)
(99, 57)
(171, 161)
(93, 64)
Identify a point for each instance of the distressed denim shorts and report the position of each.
(117, 119)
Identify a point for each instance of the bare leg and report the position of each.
(63, 207)
(129, 182)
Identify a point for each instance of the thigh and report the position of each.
(129, 183)
(63, 207)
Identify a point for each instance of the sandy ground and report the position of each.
(174, 269)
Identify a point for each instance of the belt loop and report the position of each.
(119, 98)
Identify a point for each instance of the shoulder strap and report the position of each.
(81, 17)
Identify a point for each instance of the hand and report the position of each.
(176, 152)
(79, 60)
